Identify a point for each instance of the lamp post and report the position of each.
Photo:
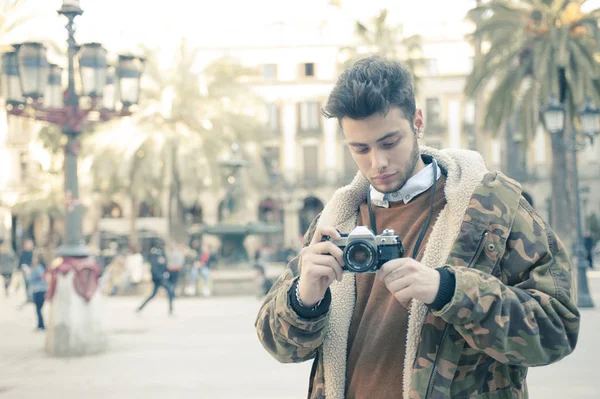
(232, 165)
(589, 116)
(33, 88)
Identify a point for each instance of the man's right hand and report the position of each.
(321, 264)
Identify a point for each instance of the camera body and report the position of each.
(365, 252)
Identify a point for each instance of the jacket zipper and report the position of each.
(429, 392)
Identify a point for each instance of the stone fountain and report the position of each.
(235, 225)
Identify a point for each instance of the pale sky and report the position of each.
(122, 25)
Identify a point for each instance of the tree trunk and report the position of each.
(561, 204)
(132, 219)
(176, 206)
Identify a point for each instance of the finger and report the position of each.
(400, 284)
(398, 273)
(325, 231)
(328, 248)
(405, 295)
(390, 266)
(328, 260)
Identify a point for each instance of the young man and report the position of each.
(484, 289)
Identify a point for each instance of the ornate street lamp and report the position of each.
(33, 69)
(129, 72)
(10, 80)
(554, 115)
(233, 164)
(554, 119)
(93, 68)
(33, 88)
(589, 117)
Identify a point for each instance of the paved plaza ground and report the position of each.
(210, 350)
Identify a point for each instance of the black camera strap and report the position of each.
(425, 227)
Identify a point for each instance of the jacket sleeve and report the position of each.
(288, 337)
(531, 318)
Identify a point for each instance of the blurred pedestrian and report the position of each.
(208, 260)
(175, 261)
(25, 262)
(588, 244)
(263, 283)
(160, 275)
(115, 276)
(7, 263)
(134, 263)
(38, 286)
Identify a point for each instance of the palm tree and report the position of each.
(187, 118)
(378, 37)
(535, 49)
(138, 173)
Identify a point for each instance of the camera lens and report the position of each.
(360, 256)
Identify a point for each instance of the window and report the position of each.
(309, 118)
(469, 112)
(307, 69)
(273, 117)
(431, 67)
(149, 209)
(350, 167)
(432, 112)
(311, 162)
(269, 71)
(112, 211)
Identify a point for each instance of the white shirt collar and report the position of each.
(416, 185)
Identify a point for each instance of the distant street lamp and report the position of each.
(554, 119)
(589, 117)
(554, 115)
(33, 88)
(232, 164)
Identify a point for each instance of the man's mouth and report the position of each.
(384, 178)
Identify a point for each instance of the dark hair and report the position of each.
(372, 85)
(527, 198)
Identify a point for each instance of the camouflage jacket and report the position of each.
(512, 308)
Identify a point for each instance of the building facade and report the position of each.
(305, 154)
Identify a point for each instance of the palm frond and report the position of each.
(489, 66)
(501, 104)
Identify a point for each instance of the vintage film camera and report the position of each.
(364, 252)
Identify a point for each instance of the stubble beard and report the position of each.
(408, 171)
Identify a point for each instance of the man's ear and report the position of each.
(419, 122)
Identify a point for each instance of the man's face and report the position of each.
(385, 148)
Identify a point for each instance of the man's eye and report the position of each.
(391, 144)
(361, 150)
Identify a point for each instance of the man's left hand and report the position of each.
(406, 279)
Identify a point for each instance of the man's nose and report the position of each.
(378, 160)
